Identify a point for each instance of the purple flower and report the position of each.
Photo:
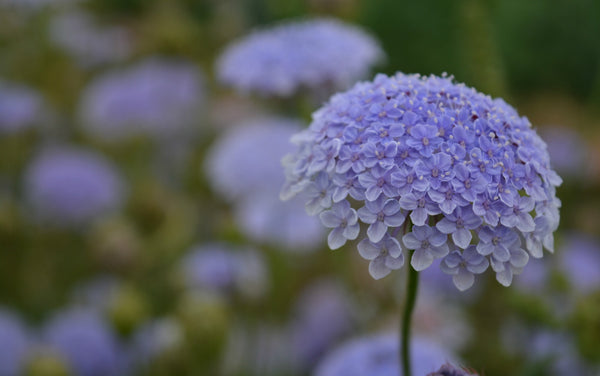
(439, 155)
(450, 370)
(428, 244)
(246, 159)
(15, 344)
(459, 224)
(265, 219)
(314, 54)
(420, 206)
(344, 222)
(580, 262)
(424, 138)
(462, 266)
(377, 181)
(86, 342)
(378, 356)
(385, 255)
(380, 214)
(88, 43)
(436, 169)
(158, 97)
(323, 314)
(20, 107)
(72, 187)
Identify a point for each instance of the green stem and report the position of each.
(411, 297)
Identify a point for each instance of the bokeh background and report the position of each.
(140, 227)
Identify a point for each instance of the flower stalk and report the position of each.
(411, 298)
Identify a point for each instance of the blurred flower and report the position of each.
(72, 186)
(536, 278)
(553, 348)
(86, 342)
(87, 43)
(14, 344)
(225, 269)
(244, 167)
(323, 315)
(452, 173)
(313, 54)
(378, 356)
(246, 159)
(580, 261)
(157, 97)
(566, 148)
(20, 107)
(265, 218)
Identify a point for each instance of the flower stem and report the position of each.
(411, 297)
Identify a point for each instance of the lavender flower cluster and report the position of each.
(431, 166)
(299, 55)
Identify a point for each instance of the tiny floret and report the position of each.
(432, 167)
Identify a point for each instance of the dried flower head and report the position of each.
(432, 166)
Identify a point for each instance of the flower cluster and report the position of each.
(244, 167)
(72, 186)
(378, 355)
(299, 55)
(87, 43)
(15, 342)
(431, 166)
(86, 342)
(158, 96)
(20, 107)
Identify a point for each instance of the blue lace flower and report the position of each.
(20, 107)
(86, 342)
(72, 187)
(15, 344)
(315, 54)
(157, 97)
(243, 166)
(378, 355)
(436, 164)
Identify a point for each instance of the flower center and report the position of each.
(425, 141)
(383, 133)
(495, 240)
(425, 244)
(460, 223)
(380, 216)
(449, 194)
(468, 183)
(380, 182)
(435, 172)
(410, 179)
(379, 154)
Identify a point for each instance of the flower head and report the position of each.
(20, 107)
(14, 344)
(157, 97)
(451, 173)
(299, 55)
(86, 342)
(378, 355)
(244, 167)
(72, 186)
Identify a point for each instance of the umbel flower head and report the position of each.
(429, 165)
(299, 55)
